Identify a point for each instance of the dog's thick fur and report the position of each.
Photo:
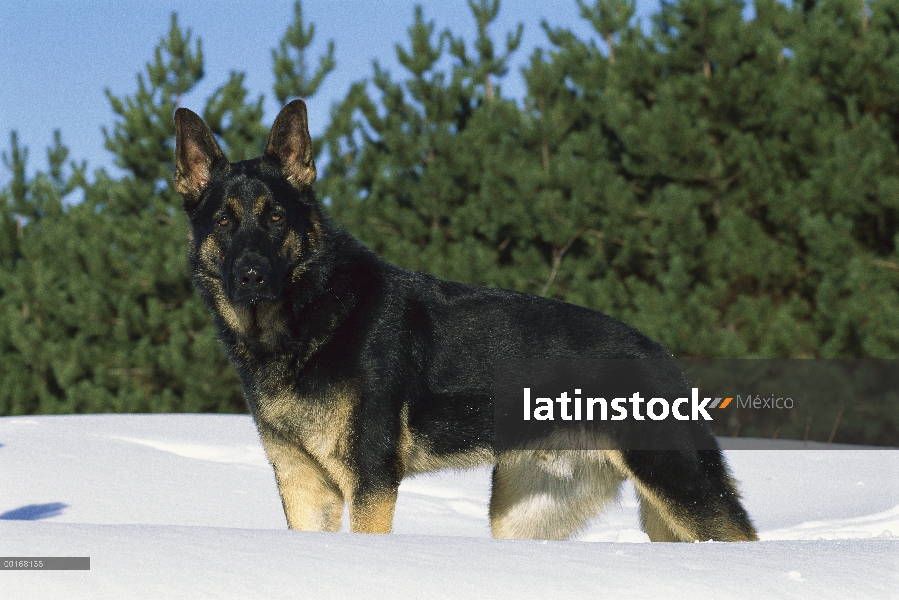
(359, 373)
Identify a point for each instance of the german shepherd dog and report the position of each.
(359, 373)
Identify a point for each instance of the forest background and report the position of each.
(728, 183)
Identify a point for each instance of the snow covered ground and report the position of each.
(186, 506)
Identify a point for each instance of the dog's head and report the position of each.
(253, 224)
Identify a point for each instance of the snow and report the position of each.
(186, 506)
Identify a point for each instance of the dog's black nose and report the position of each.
(253, 277)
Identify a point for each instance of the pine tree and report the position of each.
(292, 78)
(101, 313)
(665, 151)
(237, 125)
(405, 169)
(487, 65)
(291, 68)
(32, 338)
(14, 205)
(847, 56)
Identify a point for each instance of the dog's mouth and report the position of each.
(252, 300)
(260, 321)
(250, 294)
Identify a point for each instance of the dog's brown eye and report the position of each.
(223, 222)
(276, 217)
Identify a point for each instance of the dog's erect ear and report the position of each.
(196, 155)
(290, 145)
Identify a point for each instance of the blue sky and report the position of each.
(58, 57)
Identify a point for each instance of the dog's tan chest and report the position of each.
(320, 424)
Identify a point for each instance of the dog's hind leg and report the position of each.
(686, 496)
(654, 523)
(542, 494)
(311, 500)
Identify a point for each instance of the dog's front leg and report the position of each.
(311, 499)
(371, 511)
(377, 472)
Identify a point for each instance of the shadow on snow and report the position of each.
(34, 512)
